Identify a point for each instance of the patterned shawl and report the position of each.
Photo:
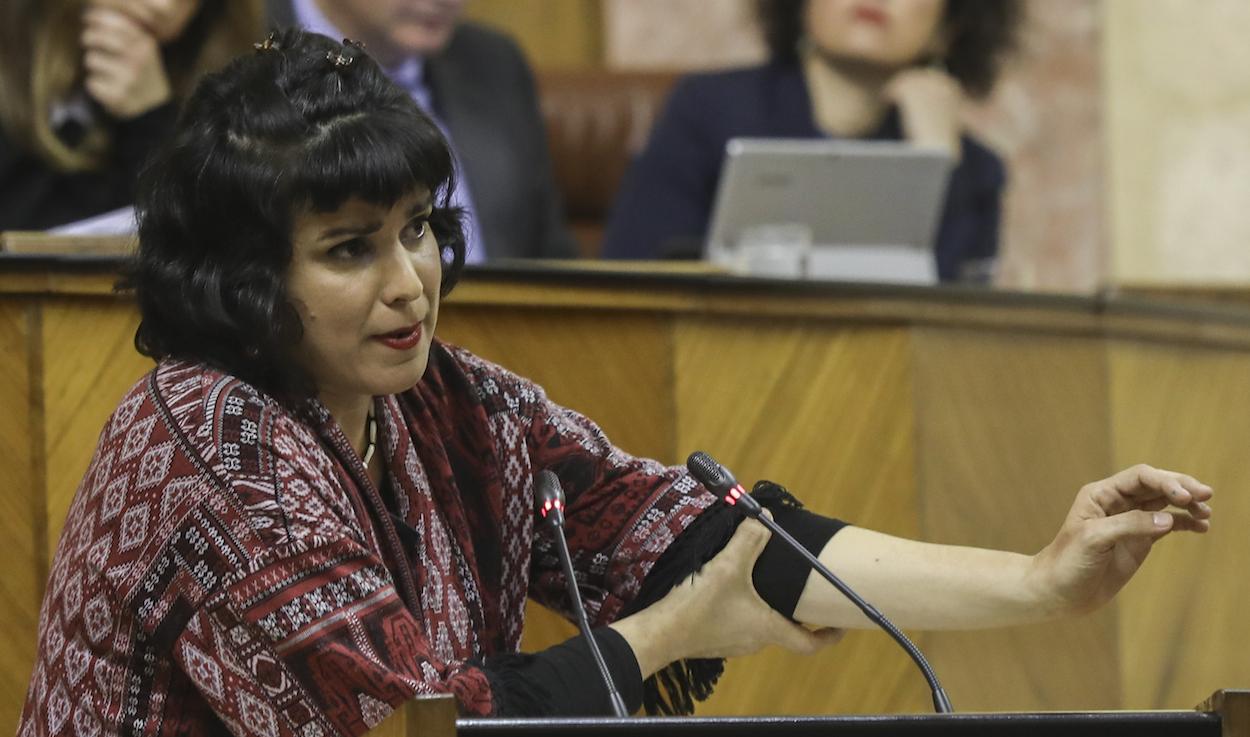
(226, 563)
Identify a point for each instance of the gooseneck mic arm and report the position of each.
(717, 479)
(549, 498)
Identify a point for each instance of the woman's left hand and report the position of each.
(124, 69)
(1109, 532)
(929, 103)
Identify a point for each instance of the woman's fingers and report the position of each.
(105, 75)
(1143, 480)
(928, 101)
(1139, 485)
(1107, 533)
(748, 542)
(124, 69)
(1199, 510)
(109, 30)
(757, 536)
(1189, 523)
(1141, 524)
(142, 12)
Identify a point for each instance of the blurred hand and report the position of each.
(1109, 532)
(928, 101)
(164, 19)
(717, 613)
(124, 69)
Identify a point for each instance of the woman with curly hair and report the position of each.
(311, 510)
(859, 69)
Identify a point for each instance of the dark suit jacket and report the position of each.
(665, 201)
(484, 93)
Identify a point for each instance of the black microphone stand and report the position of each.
(550, 498)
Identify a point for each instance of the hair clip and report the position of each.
(345, 56)
(269, 44)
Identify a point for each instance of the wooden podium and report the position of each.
(1225, 714)
(952, 415)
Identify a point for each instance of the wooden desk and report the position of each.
(956, 416)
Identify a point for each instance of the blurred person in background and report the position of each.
(89, 87)
(477, 86)
(896, 70)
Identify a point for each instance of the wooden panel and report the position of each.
(14, 241)
(826, 411)
(1183, 616)
(553, 33)
(424, 716)
(1008, 429)
(21, 512)
(588, 360)
(90, 362)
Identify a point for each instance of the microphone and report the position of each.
(717, 479)
(549, 498)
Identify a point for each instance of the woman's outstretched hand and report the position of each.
(717, 613)
(1109, 532)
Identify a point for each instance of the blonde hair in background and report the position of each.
(16, 16)
(41, 66)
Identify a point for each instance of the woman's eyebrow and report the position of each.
(365, 229)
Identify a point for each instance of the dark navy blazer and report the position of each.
(665, 201)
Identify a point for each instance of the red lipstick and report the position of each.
(869, 14)
(402, 340)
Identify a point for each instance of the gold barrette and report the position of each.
(269, 44)
(345, 56)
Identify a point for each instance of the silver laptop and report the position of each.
(824, 209)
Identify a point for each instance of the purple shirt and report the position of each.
(409, 76)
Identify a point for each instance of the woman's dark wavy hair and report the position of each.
(276, 132)
(981, 33)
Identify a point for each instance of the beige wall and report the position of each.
(680, 34)
(1178, 143)
(553, 33)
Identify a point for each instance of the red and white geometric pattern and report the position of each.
(226, 564)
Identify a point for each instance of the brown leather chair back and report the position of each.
(597, 120)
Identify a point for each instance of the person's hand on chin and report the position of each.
(124, 70)
(928, 100)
